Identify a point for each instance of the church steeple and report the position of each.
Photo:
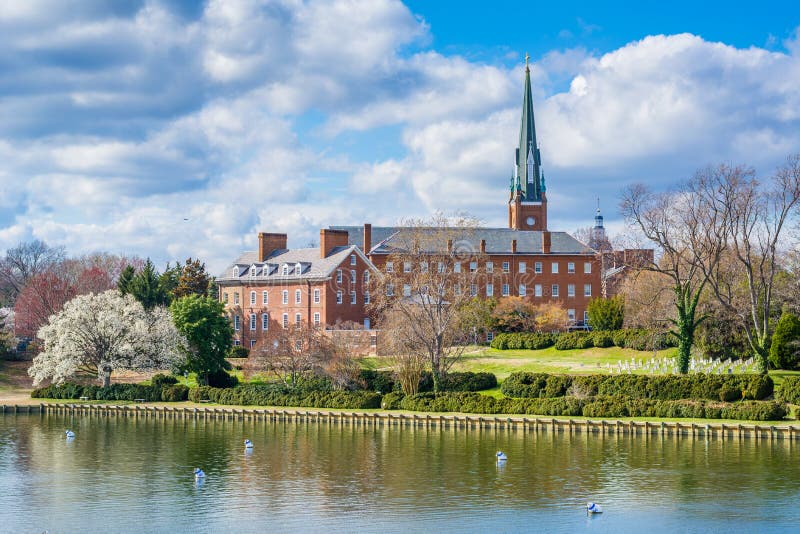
(528, 158)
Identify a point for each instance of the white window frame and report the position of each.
(338, 276)
(570, 267)
(423, 266)
(406, 266)
(236, 342)
(389, 290)
(265, 321)
(365, 278)
(298, 318)
(285, 270)
(253, 270)
(253, 321)
(353, 276)
(571, 314)
(298, 269)
(298, 296)
(521, 267)
(489, 290)
(537, 290)
(285, 322)
(406, 290)
(457, 267)
(554, 292)
(489, 267)
(235, 272)
(339, 297)
(366, 297)
(236, 323)
(537, 267)
(585, 317)
(473, 266)
(523, 291)
(252, 343)
(352, 297)
(473, 290)
(285, 296)
(316, 318)
(587, 290)
(236, 299)
(316, 296)
(264, 298)
(554, 268)
(505, 290)
(252, 298)
(587, 267)
(506, 267)
(352, 259)
(389, 266)
(440, 267)
(570, 290)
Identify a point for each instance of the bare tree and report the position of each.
(431, 284)
(294, 352)
(754, 216)
(25, 261)
(690, 236)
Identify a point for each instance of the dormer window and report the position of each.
(253, 270)
(298, 269)
(235, 271)
(285, 270)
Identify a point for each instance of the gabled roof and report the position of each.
(313, 267)
(498, 240)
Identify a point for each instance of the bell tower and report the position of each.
(527, 203)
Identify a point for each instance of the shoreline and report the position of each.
(700, 429)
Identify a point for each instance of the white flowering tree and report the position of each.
(100, 333)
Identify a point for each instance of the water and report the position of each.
(123, 475)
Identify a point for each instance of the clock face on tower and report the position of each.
(530, 221)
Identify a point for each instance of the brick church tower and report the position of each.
(527, 203)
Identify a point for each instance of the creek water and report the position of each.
(127, 475)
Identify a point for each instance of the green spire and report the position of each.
(528, 157)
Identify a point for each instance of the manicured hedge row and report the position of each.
(790, 390)
(267, 395)
(663, 387)
(384, 382)
(593, 407)
(160, 390)
(631, 339)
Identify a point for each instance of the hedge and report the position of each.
(642, 340)
(790, 390)
(269, 395)
(574, 340)
(127, 392)
(384, 382)
(594, 407)
(533, 341)
(663, 387)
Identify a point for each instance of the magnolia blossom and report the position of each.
(98, 333)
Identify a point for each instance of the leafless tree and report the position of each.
(294, 352)
(25, 261)
(432, 280)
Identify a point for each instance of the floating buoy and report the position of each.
(248, 444)
(198, 473)
(594, 508)
(501, 456)
(70, 434)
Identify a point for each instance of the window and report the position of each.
(522, 290)
(366, 277)
(457, 289)
(571, 267)
(236, 298)
(587, 290)
(316, 296)
(423, 266)
(537, 290)
(440, 267)
(252, 321)
(537, 267)
(352, 277)
(505, 290)
(285, 270)
(264, 322)
(338, 276)
(338, 297)
(298, 298)
(225, 298)
(506, 267)
(457, 267)
(316, 319)
(570, 290)
(587, 268)
(554, 267)
(406, 266)
(554, 290)
(489, 336)
(571, 315)
(252, 343)
(252, 298)
(473, 290)
(389, 290)
(366, 297)
(522, 267)
(352, 259)
(489, 267)
(406, 290)
(352, 297)
(298, 269)
(489, 290)
(253, 270)
(473, 266)
(298, 345)
(298, 318)
(285, 296)
(236, 322)
(585, 317)
(264, 298)
(235, 272)
(236, 342)
(389, 267)
(286, 320)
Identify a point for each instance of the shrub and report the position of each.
(602, 339)
(783, 352)
(606, 314)
(469, 381)
(160, 380)
(790, 390)
(275, 395)
(391, 401)
(174, 393)
(534, 385)
(221, 379)
(518, 340)
(574, 340)
(238, 351)
(382, 381)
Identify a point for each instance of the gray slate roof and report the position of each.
(312, 266)
(498, 240)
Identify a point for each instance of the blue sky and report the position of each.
(170, 129)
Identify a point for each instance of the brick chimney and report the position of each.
(269, 243)
(513, 246)
(330, 239)
(546, 242)
(367, 243)
(483, 246)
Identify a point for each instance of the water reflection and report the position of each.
(317, 477)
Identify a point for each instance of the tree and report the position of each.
(126, 279)
(146, 287)
(476, 317)
(101, 333)
(25, 261)
(295, 352)
(6, 339)
(606, 313)
(784, 353)
(193, 280)
(514, 314)
(168, 280)
(690, 236)
(429, 289)
(208, 333)
(42, 296)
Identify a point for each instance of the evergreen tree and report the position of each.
(169, 280)
(784, 352)
(606, 314)
(208, 333)
(146, 287)
(193, 280)
(125, 279)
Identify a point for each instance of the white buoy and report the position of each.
(198, 473)
(501, 456)
(70, 434)
(594, 508)
(248, 444)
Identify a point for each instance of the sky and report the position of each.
(170, 129)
